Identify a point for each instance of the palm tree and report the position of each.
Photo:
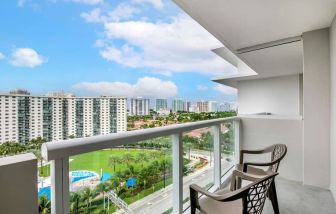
(101, 189)
(154, 155)
(74, 202)
(142, 157)
(44, 205)
(113, 161)
(189, 144)
(143, 176)
(127, 158)
(87, 196)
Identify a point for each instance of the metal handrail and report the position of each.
(113, 197)
(65, 148)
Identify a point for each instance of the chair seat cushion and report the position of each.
(210, 206)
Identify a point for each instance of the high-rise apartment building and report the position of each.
(161, 104)
(224, 107)
(203, 106)
(59, 116)
(186, 106)
(213, 106)
(177, 105)
(139, 106)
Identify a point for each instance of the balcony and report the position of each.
(247, 133)
(284, 52)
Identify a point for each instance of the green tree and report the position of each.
(87, 194)
(142, 157)
(113, 161)
(44, 205)
(102, 188)
(74, 202)
(127, 158)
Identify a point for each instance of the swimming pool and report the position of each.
(80, 175)
(74, 176)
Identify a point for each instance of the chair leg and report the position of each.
(274, 198)
(192, 209)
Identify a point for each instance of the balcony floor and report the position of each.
(295, 198)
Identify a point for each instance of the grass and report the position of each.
(95, 161)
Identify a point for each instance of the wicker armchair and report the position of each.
(247, 200)
(278, 151)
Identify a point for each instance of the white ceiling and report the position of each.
(243, 23)
(279, 60)
(286, 59)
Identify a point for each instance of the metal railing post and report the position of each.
(217, 155)
(60, 186)
(237, 139)
(177, 173)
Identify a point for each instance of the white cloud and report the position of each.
(156, 3)
(92, 16)
(121, 12)
(2, 56)
(177, 46)
(145, 86)
(226, 90)
(202, 88)
(26, 57)
(90, 2)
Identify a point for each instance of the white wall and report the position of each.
(18, 184)
(277, 95)
(316, 108)
(259, 133)
(333, 108)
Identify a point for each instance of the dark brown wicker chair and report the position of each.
(247, 200)
(278, 153)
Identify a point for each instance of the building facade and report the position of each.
(203, 106)
(161, 104)
(139, 106)
(24, 117)
(186, 106)
(213, 106)
(177, 105)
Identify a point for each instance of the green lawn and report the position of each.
(94, 161)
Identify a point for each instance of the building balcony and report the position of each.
(19, 173)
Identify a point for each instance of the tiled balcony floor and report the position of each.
(297, 199)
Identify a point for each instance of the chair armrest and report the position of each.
(237, 176)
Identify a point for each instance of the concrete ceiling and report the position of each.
(245, 26)
(240, 23)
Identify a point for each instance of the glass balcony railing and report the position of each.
(138, 171)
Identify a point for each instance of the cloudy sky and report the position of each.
(130, 48)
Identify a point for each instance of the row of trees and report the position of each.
(129, 158)
(14, 148)
(182, 116)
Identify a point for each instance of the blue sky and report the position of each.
(130, 48)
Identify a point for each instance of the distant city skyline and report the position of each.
(95, 49)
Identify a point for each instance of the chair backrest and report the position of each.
(278, 153)
(255, 195)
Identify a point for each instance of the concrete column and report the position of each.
(316, 108)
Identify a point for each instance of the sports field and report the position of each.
(99, 160)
